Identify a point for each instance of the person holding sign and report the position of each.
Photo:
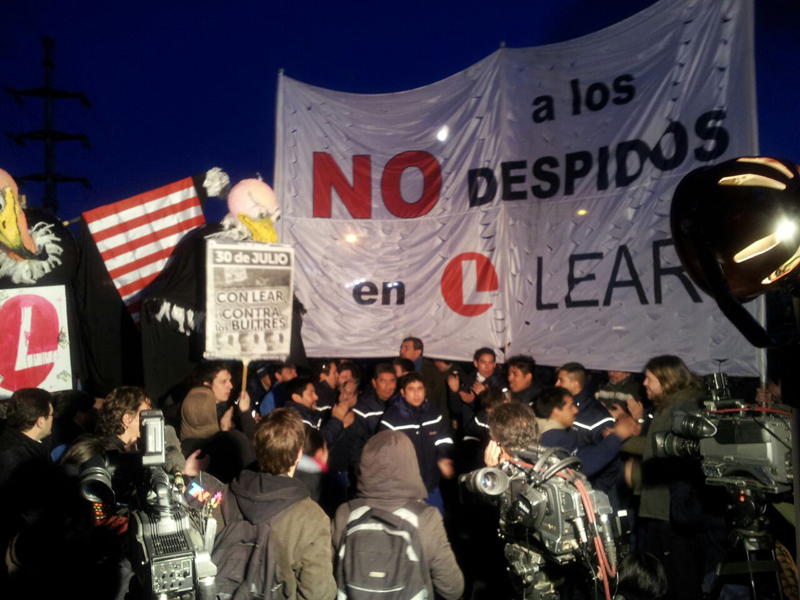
(216, 377)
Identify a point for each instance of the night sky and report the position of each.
(178, 87)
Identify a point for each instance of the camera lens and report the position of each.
(694, 427)
(675, 445)
(489, 481)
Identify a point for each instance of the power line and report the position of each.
(49, 134)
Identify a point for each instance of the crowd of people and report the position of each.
(314, 452)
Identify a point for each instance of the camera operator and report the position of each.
(671, 386)
(118, 418)
(512, 427)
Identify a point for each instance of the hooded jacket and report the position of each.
(389, 478)
(199, 414)
(300, 530)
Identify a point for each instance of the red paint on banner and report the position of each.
(431, 184)
(453, 283)
(39, 346)
(328, 177)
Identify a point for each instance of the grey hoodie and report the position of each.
(389, 478)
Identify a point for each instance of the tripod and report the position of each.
(527, 574)
(760, 567)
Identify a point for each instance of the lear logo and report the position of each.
(29, 338)
(467, 280)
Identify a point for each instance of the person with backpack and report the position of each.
(274, 541)
(388, 538)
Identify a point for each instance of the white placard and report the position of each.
(249, 290)
(34, 340)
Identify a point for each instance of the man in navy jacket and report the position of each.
(416, 417)
(463, 393)
(556, 416)
(303, 400)
(592, 418)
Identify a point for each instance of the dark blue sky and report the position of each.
(178, 87)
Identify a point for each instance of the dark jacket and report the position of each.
(369, 409)
(25, 485)
(243, 421)
(463, 411)
(327, 397)
(478, 429)
(275, 398)
(453, 399)
(389, 479)
(368, 413)
(592, 418)
(528, 395)
(659, 473)
(594, 457)
(255, 388)
(435, 386)
(230, 452)
(428, 432)
(331, 429)
(300, 530)
(18, 451)
(473, 443)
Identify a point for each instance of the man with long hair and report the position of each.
(118, 418)
(670, 386)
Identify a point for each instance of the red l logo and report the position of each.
(455, 276)
(29, 339)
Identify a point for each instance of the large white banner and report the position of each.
(522, 203)
(34, 340)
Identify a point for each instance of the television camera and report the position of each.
(169, 543)
(549, 516)
(741, 446)
(748, 450)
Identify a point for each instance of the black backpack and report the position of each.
(245, 558)
(380, 554)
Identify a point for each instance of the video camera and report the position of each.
(741, 446)
(548, 512)
(168, 543)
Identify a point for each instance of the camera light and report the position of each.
(442, 134)
(786, 230)
(351, 238)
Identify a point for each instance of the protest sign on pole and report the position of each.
(34, 338)
(249, 290)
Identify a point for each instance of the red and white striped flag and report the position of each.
(137, 236)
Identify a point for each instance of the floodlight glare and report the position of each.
(743, 215)
(786, 230)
